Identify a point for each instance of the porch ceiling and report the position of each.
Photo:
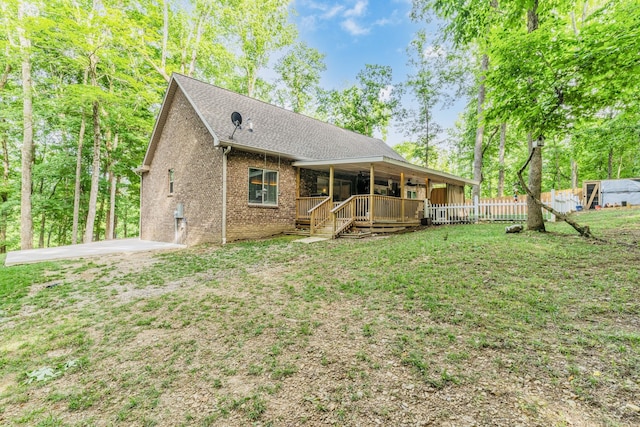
(385, 168)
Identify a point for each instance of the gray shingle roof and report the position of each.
(275, 129)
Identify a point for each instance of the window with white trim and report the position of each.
(171, 180)
(263, 187)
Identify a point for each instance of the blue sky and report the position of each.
(352, 33)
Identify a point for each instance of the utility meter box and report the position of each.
(179, 212)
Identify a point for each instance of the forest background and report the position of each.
(81, 82)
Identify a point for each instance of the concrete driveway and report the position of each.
(86, 250)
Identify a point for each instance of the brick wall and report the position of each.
(246, 221)
(187, 147)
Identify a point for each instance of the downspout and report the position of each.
(225, 152)
(140, 172)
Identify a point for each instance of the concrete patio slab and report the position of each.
(85, 250)
(310, 240)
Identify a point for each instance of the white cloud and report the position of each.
(382, 22)
(351, 17)
(327, 10)
(353, 28)
(385, 94)
(433, 52)
(332, 12)
(358, 9)
(392, 19)
(308, 22)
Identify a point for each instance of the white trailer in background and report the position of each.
(611, 192)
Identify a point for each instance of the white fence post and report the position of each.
(497, 209)
(476, 209)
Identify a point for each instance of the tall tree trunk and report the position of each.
(503, 140)
(535, 220)
(574, 174)
(43, 221)
(251, 81)
(610, 164)
(194, 49)
(619, 168)
(477, 151)
(125, 219)
(95, 168)
(110, 233)
(26, 222)
(165, 36)
(5, 76)
(95, 175)
(4, 195)
(426, 148)
(49, 236)
(76, 194)
(96, 232)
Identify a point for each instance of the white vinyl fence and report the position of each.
(498, 209)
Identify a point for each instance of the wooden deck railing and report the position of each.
(387, 208)
(361, 208)
(343, 215)
(304, 206)
(320, 215)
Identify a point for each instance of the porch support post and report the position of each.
(426, 189)
(402, 195)
(332, 215)
(297, 193)
(331, 171)
(371, 193)
(427, 196)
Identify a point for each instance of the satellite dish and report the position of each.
(236, 119)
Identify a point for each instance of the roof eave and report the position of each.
(174, 84)
(160, 122)
(250, 149)
(446, 177)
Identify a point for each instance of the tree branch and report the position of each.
(583, 230)
(490, 139)
(5, 76)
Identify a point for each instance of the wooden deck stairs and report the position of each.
(325, 218)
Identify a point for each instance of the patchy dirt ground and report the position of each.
(270, 345)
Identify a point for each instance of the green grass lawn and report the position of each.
(452, 325)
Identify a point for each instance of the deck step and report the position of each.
(297, 232)
(326, 232)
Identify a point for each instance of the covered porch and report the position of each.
(373, 194)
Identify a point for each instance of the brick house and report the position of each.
(204, 179)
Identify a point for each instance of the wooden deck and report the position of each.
(374, 213)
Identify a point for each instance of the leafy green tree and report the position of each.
(259, 28)
(299, 72)
(413, 152)
(436, 71)
(366, 107)
(24, 37)
(468, 24)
